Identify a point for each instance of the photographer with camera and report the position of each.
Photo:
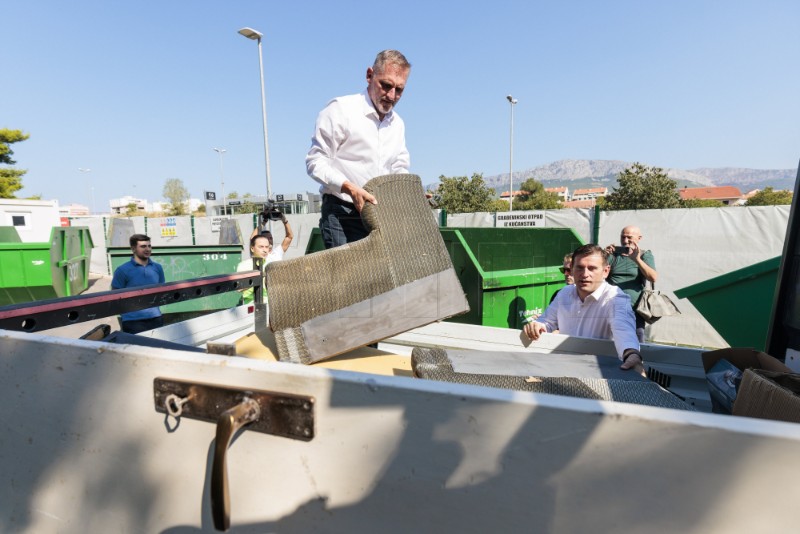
(271, 213)
(631, 269)
(261, 244)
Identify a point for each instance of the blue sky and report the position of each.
(140, 92)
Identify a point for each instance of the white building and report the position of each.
(120, 205)
(33, 219)
(592, 193)
(74, 210)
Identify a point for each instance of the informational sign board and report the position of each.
(169, 227)
(215, 223)
(521, 219)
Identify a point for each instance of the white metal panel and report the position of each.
(83, 450)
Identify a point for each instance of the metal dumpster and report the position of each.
(738, 304)
(186, 262)
(37, 271)
(508, 274)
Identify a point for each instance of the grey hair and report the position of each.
(390, 57)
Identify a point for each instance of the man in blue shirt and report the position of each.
(140, 271)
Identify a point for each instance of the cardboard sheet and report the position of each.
(262, 346)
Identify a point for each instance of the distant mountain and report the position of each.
(577, 174)
(749, 179)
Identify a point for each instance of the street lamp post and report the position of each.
(221, 151)
(255, 35)
(511, 101)
(91, 187)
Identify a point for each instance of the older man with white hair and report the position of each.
(631, 269)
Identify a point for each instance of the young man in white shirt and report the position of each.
(358, 137)
(592, 308)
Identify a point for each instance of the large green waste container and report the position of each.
(184, 263)
(508, 274)
(738, 304)
(37, 271)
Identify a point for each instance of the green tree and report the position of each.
(460, 194)
(177, 195)
(233, 195)
(701, 203)
(641, 188)
(201, 208)
(531, 187)
(535, 197)
(249, 207)
(498, 204)
(10, 179)
(131, 209)
(768, 197)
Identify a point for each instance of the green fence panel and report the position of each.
(738, 304)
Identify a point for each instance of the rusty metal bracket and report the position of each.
(233, 409)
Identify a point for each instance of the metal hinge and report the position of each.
(279, 414)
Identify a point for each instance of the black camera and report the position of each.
(622, 250)
(271, 213)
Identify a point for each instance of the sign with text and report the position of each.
(211, 195)
(169, 227)
(521, 219)
(216, 222)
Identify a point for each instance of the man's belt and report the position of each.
(333, 199)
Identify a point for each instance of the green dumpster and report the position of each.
(315, 242)
(508, 274)
(738, 304)
(37, 271)
(187, 262)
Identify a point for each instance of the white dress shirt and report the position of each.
(352, 144)
(604, 314)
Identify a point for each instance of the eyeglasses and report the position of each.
(387, 87)
(565, 270)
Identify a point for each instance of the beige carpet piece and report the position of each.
(398, 278)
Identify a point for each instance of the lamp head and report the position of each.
(511, 99)
(250, 33)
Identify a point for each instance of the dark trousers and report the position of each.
(340, 222)
(142, 325)
(639, 326)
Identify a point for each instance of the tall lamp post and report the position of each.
(250, 33)
(221, 151)
(511, 101)
(91, 187)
